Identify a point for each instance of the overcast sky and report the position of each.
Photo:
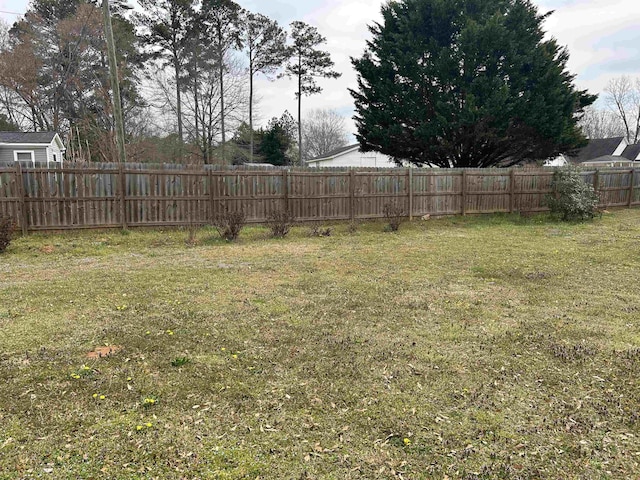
(603, 37)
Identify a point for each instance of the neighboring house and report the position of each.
(601, 152)
(260, 165)
(31, 148)
(351, 156)
(632, 152)
(560, 161)
(608, 161)
(600, 147)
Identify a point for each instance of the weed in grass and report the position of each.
(568, 352)
(192, 235)
(149, 401)
(83, 371)
(180, 361)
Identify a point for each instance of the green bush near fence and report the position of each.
(572, 198)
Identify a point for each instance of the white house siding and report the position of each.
(559, 161)
(355, 159)
(54, 149)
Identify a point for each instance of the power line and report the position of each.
(11, 13)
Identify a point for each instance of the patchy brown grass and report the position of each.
(492, 347)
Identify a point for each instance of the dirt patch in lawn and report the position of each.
(100, 352)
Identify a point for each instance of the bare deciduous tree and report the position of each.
(201, 104)
(622, 95)
(596, 123)
(323, 130)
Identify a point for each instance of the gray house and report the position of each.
(31, 148)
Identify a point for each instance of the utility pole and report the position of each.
(115, 83)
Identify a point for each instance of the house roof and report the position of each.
(598, 147)
(335, 152)
(632, 152)
(27, 137)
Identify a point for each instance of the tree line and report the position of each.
(186, 68)
(446, 83)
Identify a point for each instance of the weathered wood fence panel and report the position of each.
(132, 195)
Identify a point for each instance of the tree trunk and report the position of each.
(250, 106)
(300, 110)
(176, 68)
(195, 101)
(221, 58)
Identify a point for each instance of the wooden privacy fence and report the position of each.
(122, 196)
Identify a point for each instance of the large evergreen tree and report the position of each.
(465, 83)
(278, 140)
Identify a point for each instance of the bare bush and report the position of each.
(317, 230)
(393, 213)
(7, 226)
(229, 224)
(280, 223)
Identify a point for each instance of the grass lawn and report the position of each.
(491, 347)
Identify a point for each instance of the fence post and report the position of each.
(211, 200)
(410, 191)
(631, 186)
(285, 189)
(352, 194)
(22, 194)
(596, 185)
(512, 190)
(464, 192)
(123, 196)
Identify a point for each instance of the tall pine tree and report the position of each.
(306, 64)
(166, 33)
(465, 83)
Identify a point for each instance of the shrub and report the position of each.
(6, 232)
(229, 224)
(317, 230)
(573, 199)
(352, 227)
(393, 213)
(280, 223)
(192, 233)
